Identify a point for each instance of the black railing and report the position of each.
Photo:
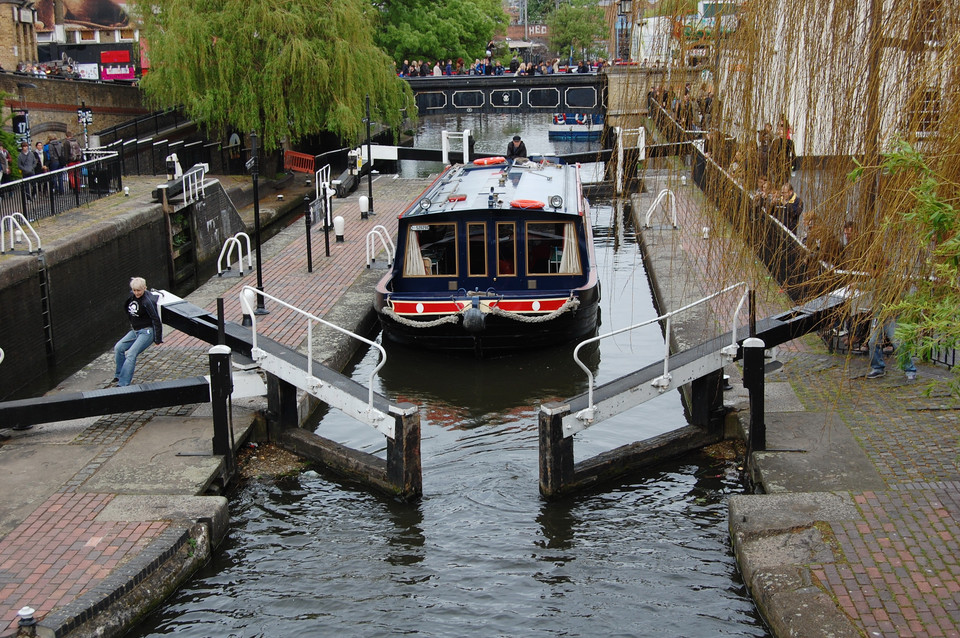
(143, 126)
(54, 192)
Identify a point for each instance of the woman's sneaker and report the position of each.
(876, 374)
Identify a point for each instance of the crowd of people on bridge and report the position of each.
(490, 66)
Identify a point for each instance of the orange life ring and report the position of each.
(526, 204)
(487, 161)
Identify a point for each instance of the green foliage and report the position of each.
(7, 139)
(579, 24)
(418, 29)
(282, 69)
(928, 310)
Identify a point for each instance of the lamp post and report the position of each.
(370, 167)
(624, 21)
(253, 164)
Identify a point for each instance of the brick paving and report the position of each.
(896, 571)
(60, 554)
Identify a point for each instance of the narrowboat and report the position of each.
(493, 258)
(575, 126)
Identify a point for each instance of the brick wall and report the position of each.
(53, 104)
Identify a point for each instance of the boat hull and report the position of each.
(500, 336)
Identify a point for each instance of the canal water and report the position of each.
(482, 553)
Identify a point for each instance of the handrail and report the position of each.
(673, 207)
(663, 381)
(228, 249)
(371, 244)
(249, 292)
(194, 187)
(11, 221)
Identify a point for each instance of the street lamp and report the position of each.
(253, 165)
(624, 21)
(370, 167)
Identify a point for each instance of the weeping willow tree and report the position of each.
(866, 93)
(282, 69)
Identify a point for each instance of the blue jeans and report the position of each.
(875, 345)
(127, 350)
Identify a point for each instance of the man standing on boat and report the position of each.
(516, 148)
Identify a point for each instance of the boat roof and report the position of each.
(518, 186)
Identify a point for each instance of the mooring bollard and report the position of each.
(754, 382)
(221, 387)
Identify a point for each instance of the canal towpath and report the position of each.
(857, 534)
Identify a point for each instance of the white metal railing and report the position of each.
(227, 251)
(321, 176)
(641, 146)
(248, 293)
(193, 183)
(379, 231)
(14, 223)
(445, 144)
(660, 197)
(663, 381)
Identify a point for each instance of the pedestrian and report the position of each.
(145, 328)
(878, 331)
(27, 161)
(57, 155)
(789, 209)
(781, 158)
(516, 149)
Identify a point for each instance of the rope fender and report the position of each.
(420, 324)
(569, 305)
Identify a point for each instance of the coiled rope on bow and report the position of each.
(570, 304)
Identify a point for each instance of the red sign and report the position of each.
(114, 57)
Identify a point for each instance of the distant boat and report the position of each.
(493, 258)
(575, 126)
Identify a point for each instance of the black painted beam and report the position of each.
(76, 405)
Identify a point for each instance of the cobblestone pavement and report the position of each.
(59, 554)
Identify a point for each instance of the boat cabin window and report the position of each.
(431, 250)
(476, 250)
(506, 249)
(552, 249)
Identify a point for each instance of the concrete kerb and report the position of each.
(774, 538)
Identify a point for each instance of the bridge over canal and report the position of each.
(617, 92)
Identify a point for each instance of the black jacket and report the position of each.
(143, 313)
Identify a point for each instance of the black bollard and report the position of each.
(221, 387)
(221, 324)
(306, 219)
(325, 207)
(754, 382)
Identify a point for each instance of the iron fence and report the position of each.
(53, 192)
